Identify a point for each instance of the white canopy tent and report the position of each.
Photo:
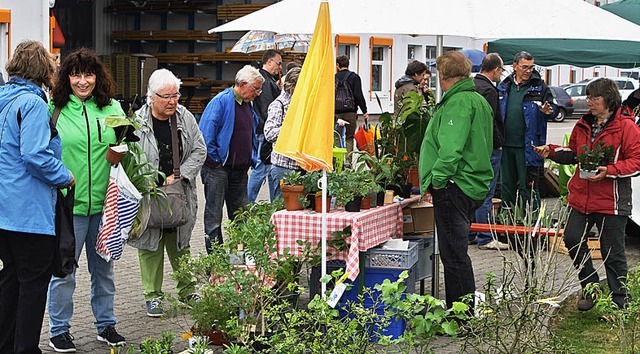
(486, 19)
(469, 18)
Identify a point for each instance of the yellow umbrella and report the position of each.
(307, 131)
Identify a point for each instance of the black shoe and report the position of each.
(585, 303)
(111, 337)
(62, 343)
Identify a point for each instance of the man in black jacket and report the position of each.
(271, 67)
(348, 119)
(490, 73)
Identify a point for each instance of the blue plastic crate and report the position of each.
(395, 328)
(373, 276)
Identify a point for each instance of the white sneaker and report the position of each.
(494, 245)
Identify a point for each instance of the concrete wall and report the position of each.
(29, 20)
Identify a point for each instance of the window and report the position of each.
(414, 52)
(573, 76)
(349, 46)
(5, 33)
(381, 66)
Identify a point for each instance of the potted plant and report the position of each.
(590, 159)
(311, 189)
(116, 151)
(401, 136)
(234, 296)
(292, 188)
(383, 172)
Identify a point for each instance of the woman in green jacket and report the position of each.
(84, 97)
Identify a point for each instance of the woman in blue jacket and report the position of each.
(30, 152)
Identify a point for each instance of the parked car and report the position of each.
(578, 92)
(564, 103)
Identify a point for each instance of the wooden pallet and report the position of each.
(163, 35)
(232, 12)
(592, 242)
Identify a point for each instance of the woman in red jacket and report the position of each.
(603, 199)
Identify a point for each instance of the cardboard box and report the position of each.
(407, 218)
(423, 218)
(593, 243)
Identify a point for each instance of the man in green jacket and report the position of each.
(455, 167)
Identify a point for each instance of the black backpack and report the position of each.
(344, 96)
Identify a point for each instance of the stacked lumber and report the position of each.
(164, 35)
(195, 81)
(183, 58)
(160, 6)
(224, 56)
(256, 56)
(232, 12)
(196, 105)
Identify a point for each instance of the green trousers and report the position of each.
(518, 179)
(152, 267)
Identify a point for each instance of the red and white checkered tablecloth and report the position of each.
(368, 229)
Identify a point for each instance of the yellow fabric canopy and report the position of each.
(307, 131)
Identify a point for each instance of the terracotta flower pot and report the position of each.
(318, 206)
(290, 195)
(366, 203)
(115, 153)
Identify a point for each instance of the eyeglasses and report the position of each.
(593, 99)
(526, 67)
(278, 63)
(175, 96)
(500, 68)
(256, 90)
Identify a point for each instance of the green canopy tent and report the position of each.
(576, 52)
(580, 52)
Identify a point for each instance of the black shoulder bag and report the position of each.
(170, 210)
(64, 258)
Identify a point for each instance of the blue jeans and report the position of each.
(256, 179)
(484, 214)
(453, 211)
(276, 174)
(103, 288)
(221, 185)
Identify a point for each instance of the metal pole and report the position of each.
(435, 277)
(439, 52)
(323, 187)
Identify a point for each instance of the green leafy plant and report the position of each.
(626, 319)
(234, 297)
(401, 134)
(293, 178)
(600, 155)
(164, 345)
(310, 182)
(356, 327)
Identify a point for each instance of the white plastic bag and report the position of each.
(120, 208)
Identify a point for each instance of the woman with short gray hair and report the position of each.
(163, 93)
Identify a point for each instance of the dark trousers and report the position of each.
(453, 213)
(222, 185)
(23, 289)
(612, 230)
(518, 179)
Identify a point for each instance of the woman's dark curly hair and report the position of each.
(83, 61)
